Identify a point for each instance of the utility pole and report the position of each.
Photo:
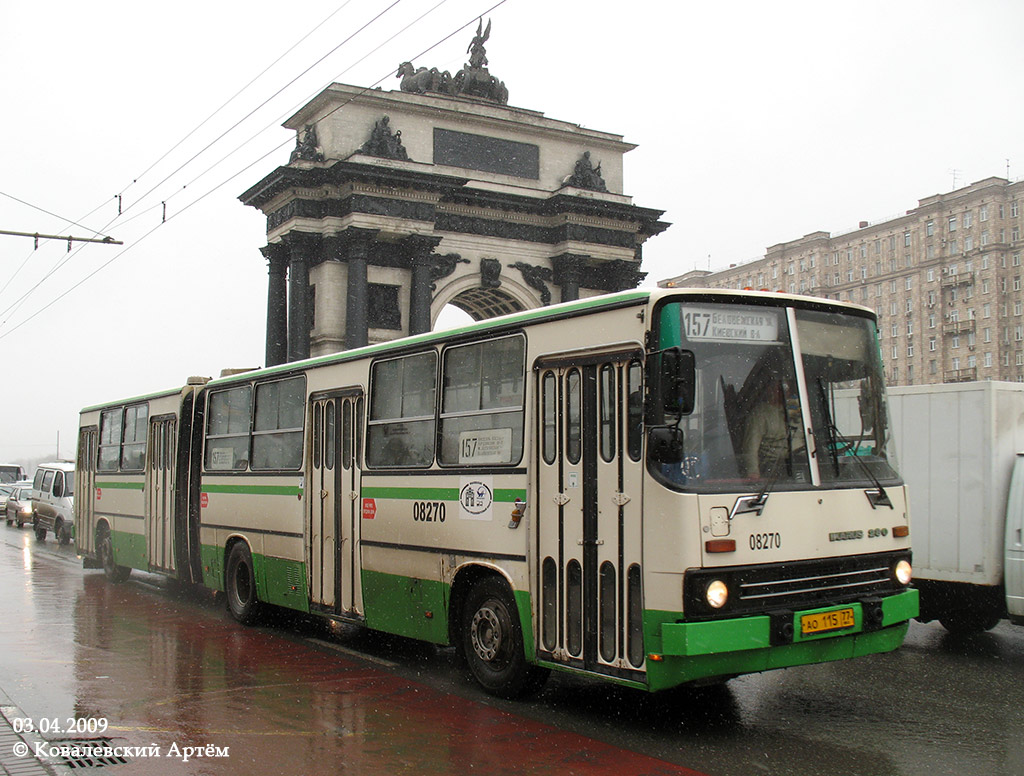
(69, 238)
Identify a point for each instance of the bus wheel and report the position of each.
(105, 549)
(492, 640)
(241, 585)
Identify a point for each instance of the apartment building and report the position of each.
(944, 279)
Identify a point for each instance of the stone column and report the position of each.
(420, 248)
(357, 330)
(277, 304)
(569, 273)
(302, 247)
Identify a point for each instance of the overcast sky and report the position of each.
(756, 123)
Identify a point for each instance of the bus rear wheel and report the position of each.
(241, 585)
(105, 550)
(492, 641)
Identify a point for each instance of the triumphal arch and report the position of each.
(396, 203)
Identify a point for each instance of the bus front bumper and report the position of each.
(781, 629)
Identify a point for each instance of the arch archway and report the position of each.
(479, 302)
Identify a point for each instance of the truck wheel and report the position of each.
(105, 550)
(492, 641)
(240, 585)
(61, 532)
(40, 534)
(964, 623)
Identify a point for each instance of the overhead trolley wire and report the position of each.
(233, 97)
(65, 259)
(262, 104)
(245, 169)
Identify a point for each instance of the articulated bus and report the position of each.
(653, 487)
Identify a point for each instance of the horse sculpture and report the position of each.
(422, 80)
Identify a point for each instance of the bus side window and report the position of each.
(482, 403)
(110, 441)
(402, 398)
(277, 429)
(227, 429)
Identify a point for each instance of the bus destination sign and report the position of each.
(724, 324)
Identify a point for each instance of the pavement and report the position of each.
(178, 687)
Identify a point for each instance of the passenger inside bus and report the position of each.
(772, 433)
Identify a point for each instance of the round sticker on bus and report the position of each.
(476, 498)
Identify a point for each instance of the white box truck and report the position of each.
(960, 449)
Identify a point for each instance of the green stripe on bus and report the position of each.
(255, 490)
(120, 485)
(439, 494)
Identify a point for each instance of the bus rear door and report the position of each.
(160, 473)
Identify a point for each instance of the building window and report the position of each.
(908, 283)
(968, 218)
(382, 307)
(983, 214)
(955, 343)
(931, 343)
(910, 349)
(988, 359)
(929, 228)
(986, 334)
(931, 276)
(952, 223)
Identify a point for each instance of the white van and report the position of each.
(53, 492)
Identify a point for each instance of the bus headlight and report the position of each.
(717, 594)
(904, 573)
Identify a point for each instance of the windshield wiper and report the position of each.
(837, 438)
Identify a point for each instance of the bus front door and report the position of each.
(160, 471)
(333, 522)
(589, 514)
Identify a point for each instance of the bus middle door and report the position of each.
(334, 501)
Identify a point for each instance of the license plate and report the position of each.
(823, 622)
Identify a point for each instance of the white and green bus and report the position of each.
(653, 487)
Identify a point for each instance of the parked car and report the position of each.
(5, 491)
(53, 490)
(19, 505)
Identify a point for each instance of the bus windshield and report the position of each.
(764, 377)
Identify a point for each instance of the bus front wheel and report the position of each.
(241, 585)
(492, 641)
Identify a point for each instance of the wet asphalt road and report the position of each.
(170, 669)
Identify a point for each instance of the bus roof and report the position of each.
(590, 304)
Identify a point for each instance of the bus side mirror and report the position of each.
(672, 381)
